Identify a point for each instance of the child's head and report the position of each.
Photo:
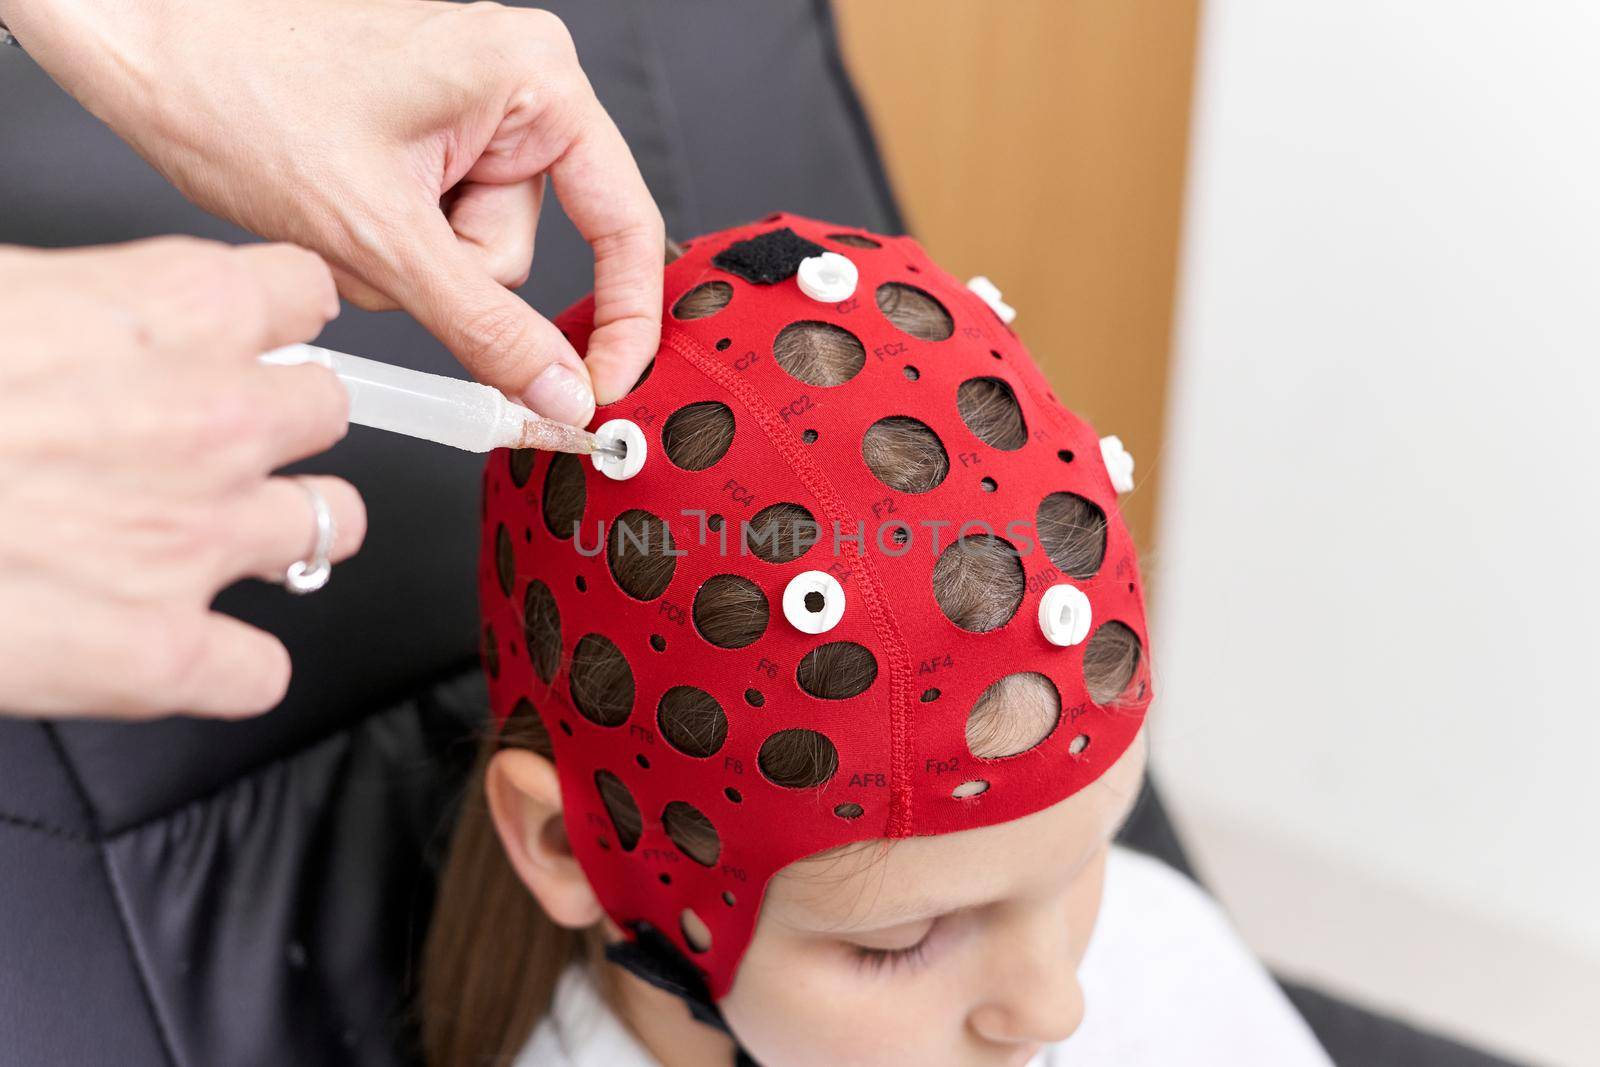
(855, 658)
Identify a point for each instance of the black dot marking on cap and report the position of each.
(911, 373)
(781, 533)
(566, 727)
(722, 345)
(541, 629)
(640, 553)
(798, 758)
(995, 354)
(809, 437)
(848, 810)
(703, 301)
(733, 794)
(1064, 455)
(658, 642)
(930, 695)
(819, 353)
(620, 806)
(988, 485)
(989, 408)
(1072, 531)
(905, 454)
(565, 493)
(978, 582)
(689, 829)
(728, 898)
(582, 583)
(666, 879)
(714, 523)
(837, 670)
(692, 721)
(730, 611)
(643, 761)
(914, 311)
(601, 682)
(754, 697)
(521, 464)
(697, 435)
(505, 560)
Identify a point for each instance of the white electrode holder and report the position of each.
(828, 278)
(1065, 615)
(632, 440)
(813, 602)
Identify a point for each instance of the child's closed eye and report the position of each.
(876, 958)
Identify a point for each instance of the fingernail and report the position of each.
(558, 393)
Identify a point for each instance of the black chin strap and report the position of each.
(655, 959)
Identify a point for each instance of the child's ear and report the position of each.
(524, 796)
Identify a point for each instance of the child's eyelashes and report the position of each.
(875, 960)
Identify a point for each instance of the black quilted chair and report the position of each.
(201, 894)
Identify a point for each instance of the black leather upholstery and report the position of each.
(188, 894)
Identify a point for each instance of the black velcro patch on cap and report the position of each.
(769, 258)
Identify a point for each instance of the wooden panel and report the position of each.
(1042, 143)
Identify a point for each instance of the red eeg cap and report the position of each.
(901, 746)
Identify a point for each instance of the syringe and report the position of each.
(450, 411)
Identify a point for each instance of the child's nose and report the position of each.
(1037, 999)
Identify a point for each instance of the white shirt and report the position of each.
(1166, 980)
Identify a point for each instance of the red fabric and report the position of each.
(899, 757)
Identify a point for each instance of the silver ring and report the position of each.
(310, 574)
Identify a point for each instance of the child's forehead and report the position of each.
(878, 884)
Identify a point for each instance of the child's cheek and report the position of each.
(824, 1012)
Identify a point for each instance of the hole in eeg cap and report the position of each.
(991, 412)
(564, 495)
(819, 353)
(767, 258)
(781, 533)
(505, 560)
(601, 682)
(619, 803)
(730, 611)
(640, 554)
(702, 302)
(697, 435)
(695, 931)
(693, 833)
(1013, 715)
(914, 311)
(1072, 532)
(541, 629)
(521, 464)
(490, 650)
(837, 670)
(905, 454)
(978, 582)
(1110, 661)
(853, 240)
(798, 759)
(529, 728)
(692, 721)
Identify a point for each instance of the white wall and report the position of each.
(1378, 590)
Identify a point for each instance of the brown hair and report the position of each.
(493, 957)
